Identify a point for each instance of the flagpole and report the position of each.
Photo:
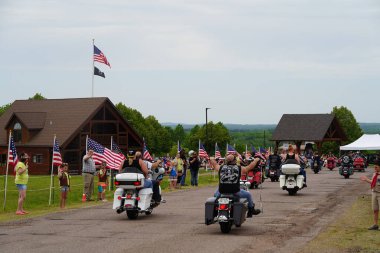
(93, 67)
(109, 185)
(51, 173)
(6, 173)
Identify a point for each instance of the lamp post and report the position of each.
(207, 108)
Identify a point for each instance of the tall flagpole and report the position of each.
(51, 174)
(109, 185)
(6, 173)
(93, 67)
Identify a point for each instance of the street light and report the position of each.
(207, 108)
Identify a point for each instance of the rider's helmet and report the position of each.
(191, 152)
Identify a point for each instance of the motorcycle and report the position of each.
(359, 164)
(227, 210)
(316, 166)
(331, 163)
(346, 169)
(131, 197)
(256, 176)
(290, 180)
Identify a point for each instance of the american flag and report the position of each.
(217, 152)
(179, 147)
(263, 150)
(102, 154)
(100, 57)
(231, 150)
(57, 158)
(12, 153)
(115, 148)
(254, 151)
(202, 152)
(146, 154)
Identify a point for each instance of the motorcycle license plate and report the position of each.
(250, 178)
(272, 172)
(224, 201)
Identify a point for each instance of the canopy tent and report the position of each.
(366, 142)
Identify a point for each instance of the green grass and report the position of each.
(37, 195)
(349, 233)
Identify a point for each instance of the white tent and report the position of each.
(366, 142)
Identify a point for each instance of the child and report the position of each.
(173, 178)
(64, 183)
(375, 187)
(103, 181)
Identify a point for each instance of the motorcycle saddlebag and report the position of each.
(210, 211)
(240, 210)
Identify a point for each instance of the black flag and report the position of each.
(98, 72)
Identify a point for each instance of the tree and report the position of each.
(4, 108)
(37, 96)
(349, 125)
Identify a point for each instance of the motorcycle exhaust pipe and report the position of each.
(120, 210)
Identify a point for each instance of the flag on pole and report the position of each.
(102, 154)
(146, 154)
(263, 150)
(254, 151)
(217, 152)
(100, 57)
(98, 72)
(179, 147)
(231, 150)
(115, 148)
(247, 153)
(12, 153)
(202, 151)
(57, 158)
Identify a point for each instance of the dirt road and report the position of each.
(286, 224)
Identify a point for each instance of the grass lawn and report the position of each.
(37, 195)
(349, 233)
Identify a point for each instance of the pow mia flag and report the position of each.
(98, 72)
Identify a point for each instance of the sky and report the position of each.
(250, 61)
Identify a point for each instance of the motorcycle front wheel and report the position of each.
(225, 227)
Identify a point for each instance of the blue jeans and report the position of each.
(303, 173)
(242, 194)
(183, 178)
(194, 177)
(148, 183)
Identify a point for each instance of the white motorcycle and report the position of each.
(131, 197)
(290, 179)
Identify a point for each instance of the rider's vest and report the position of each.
(346, 160)
(133, 167)
(229, 178)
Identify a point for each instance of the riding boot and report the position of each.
(252, 211)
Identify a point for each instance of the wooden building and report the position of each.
(318, 128)
(35, 122)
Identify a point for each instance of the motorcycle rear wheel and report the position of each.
(132, 215)
(225, 227)
(292, 192)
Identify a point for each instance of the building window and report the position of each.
(17, 132)
(38, 158)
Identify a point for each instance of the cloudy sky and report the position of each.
(249, 60)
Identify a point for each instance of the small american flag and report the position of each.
(202, 151)
(217, 152)
(179, 147)
(12, 153)
(146, 154)
(100, 57)
(57, 158)
(102, 154)
(231, 150)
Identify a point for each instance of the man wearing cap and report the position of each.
(88, 171)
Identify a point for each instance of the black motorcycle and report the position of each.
(227, 210)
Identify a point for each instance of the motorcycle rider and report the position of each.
(290, 155)
(316, 159)
(274, 162)
(231, 160)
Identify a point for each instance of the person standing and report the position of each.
(182, 155)
(21, 180)
(103, 182)
(88, 171)
(64, 183)
(178, 163)
(375, 187)
(194, 167)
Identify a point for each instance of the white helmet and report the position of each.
(191, 152)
